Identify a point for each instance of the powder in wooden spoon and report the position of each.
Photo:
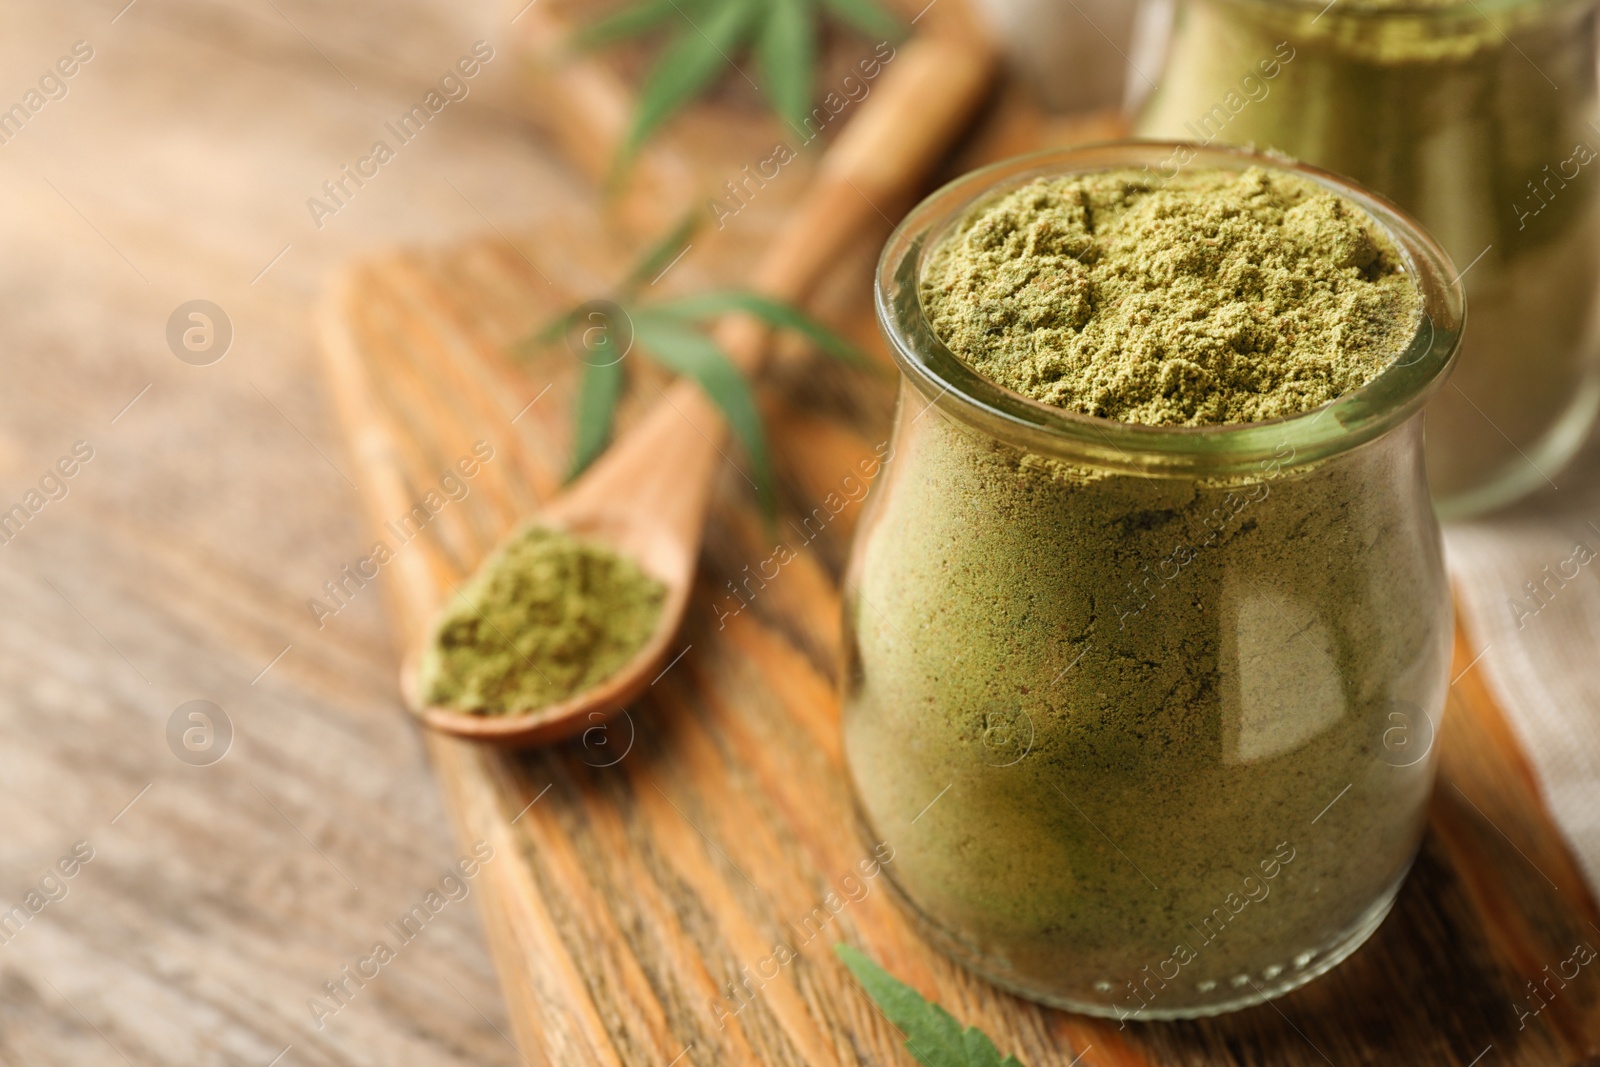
(546, 617)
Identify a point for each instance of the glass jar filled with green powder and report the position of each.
(1476, 116)
(1147, 625)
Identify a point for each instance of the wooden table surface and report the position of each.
(221, 898)
(179, 563)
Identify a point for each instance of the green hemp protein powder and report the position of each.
(545, 617)
(1211, 298)
(1479, 118)
(1127, 730)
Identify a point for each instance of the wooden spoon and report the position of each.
(646, 497)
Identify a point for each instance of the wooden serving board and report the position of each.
(647, 871)
(643, 869)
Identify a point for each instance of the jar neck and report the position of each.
(1350, 420)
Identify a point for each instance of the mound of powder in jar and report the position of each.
(1212, 297)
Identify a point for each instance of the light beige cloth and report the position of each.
(1540, 648)
(1542, 661)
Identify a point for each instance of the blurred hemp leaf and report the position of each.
(933, 1037)
(671, 332)
(706, 36)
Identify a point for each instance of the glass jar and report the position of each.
(1477, 117)
(1146, 712)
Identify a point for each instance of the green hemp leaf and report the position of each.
(670, 332)
(933, 1036)
(705, 37)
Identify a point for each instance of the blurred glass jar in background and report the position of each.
(1476, 116)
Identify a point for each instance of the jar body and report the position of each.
(1480, 129)
(1145, 746)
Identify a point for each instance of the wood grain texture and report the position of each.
(179, 564)
(664, 856)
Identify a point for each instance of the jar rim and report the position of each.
(1353, 418)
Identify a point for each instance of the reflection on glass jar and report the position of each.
(1476, 116)
(1146, 712)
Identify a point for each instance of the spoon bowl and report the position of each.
(644, 499)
